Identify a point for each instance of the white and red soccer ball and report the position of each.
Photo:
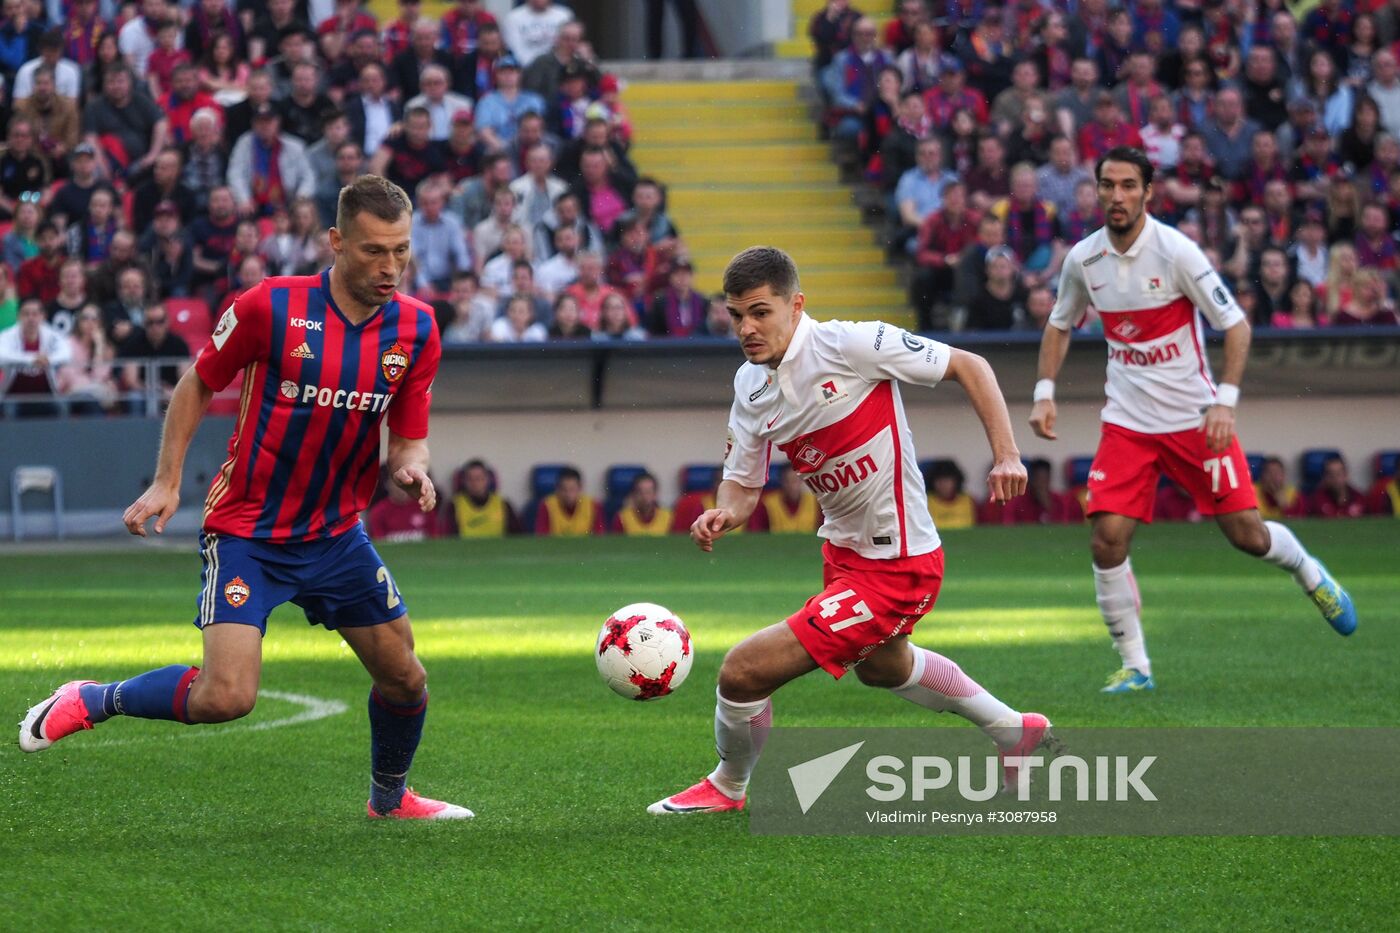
(644, 651)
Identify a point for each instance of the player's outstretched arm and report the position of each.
(734, 504)
(1219, 422)
(408, 466)
(974, 374)
(188, 403)
(1054, 347)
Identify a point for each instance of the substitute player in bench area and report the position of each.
(1150, 285)
(825, 394)
(325, 358)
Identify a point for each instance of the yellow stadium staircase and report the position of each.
(743, 166)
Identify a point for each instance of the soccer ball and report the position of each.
(644, 651)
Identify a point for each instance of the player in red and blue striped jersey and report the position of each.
(325, 360)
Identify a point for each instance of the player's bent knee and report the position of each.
(878, 677)
(405, 685)
(221, 705)
(740, 680)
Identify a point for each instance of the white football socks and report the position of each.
(740, 731)
(937, 683)
(1117, 594)
(1286, 552)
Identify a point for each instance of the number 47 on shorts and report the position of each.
(831, 607)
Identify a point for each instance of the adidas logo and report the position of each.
(303, 352)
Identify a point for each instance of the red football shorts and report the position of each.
(1123, 479)
(865, 603)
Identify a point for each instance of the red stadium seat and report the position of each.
(190, 319)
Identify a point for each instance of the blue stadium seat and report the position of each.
(543, 478)
(700, 477)
(1256, 463)
(1077, 471)
(1386, 463)
(617, 484)
(775, 474)
(1310, 465)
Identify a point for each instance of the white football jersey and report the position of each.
(833, 407)
(1150, 298)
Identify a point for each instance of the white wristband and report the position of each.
(1227, 395)
(1044, 391)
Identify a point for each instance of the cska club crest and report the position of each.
(237, 592)
(394, 363)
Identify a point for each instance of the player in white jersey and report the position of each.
(826, 395)
(1164, 413)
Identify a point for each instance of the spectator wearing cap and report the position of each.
(476, 71)
(571, 105)
(413, 156)
(54, 117)
(31, 354)
(952, 94)
(166, 249)
(465, 152)
(164, 184)
(268, 28)
(137, 38)
(305, 105)
(558, 272)
(439, 243)
(850, 80)
(372, 112)
(69, 204)
(1302, 120)
(24, 169)
(531, 28)
(463, 24)
(128, 128)
(439, 100)
(537, 189)
(67, 76)
(1314, 168)
(238, 117)
(423, 50)
(498, 112)
(544, 74)
(678, 310)
(267, 167)
(1106, 130)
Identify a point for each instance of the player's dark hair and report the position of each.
(639, 479)
(1131, 156)
(568, 473)
(758, 266)
(941, 468)
(371, 194)
(1038, 463)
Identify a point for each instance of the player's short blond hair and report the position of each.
(371, 194)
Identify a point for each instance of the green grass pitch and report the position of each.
(150, 825)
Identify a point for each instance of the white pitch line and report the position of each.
(312, 709)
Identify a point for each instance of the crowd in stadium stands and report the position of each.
(159, 158)
(1274, 139)
(630, 504)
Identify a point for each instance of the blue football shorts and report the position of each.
(338, 582)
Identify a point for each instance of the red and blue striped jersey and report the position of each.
(304, 457)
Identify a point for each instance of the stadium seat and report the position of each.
(1077, 471)
(775, 474)
(190, 320)
(1310, 466)
(700, 477)
(1386, 463)
(543, 478)
(1256, 463)
(617, 483)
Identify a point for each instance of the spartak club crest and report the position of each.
(394, 362)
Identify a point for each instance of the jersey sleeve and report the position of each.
(408, 415)
(879, 351)
(243, 335)
(1199, 281)
(1072, 299)
(745, 453)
